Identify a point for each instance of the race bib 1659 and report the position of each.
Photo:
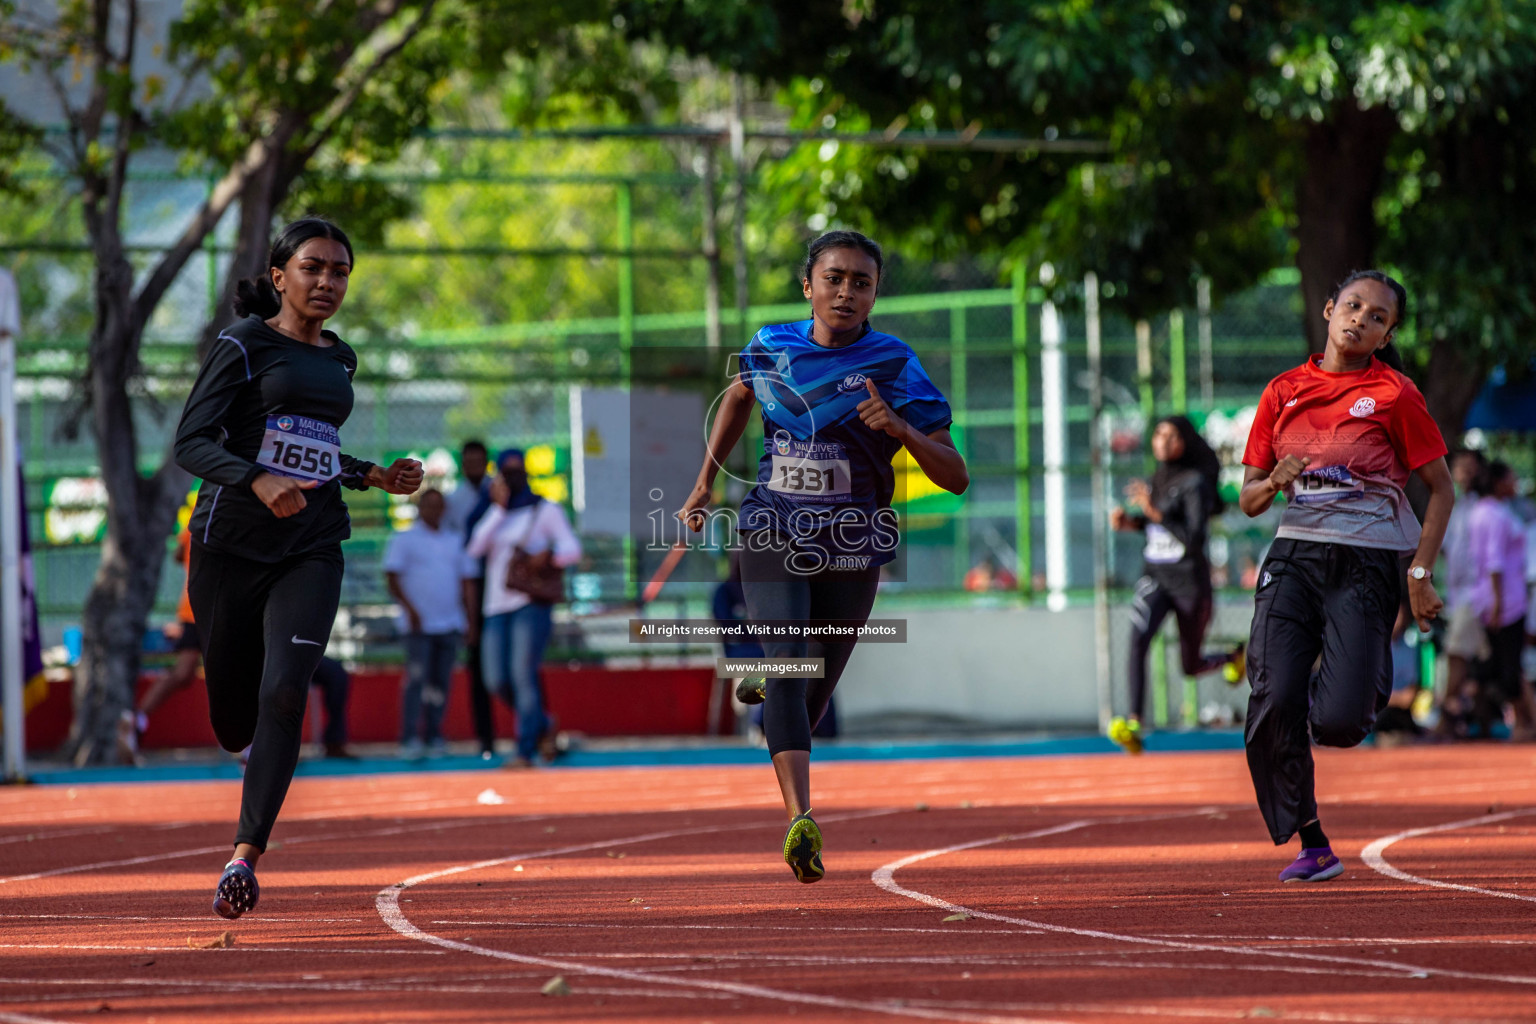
(298, 446)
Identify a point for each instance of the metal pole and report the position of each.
(1207, 359)
(957, 397)
(1100, 495)
(1178, 372)
(711, 250)
(10, 539)
(1024, 521)
(626, 276)
(1053, 437)
(739, 227)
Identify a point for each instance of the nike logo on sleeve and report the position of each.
(314, 643)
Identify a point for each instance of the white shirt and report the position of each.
(535, 529)
(430, 564)
(461, 501)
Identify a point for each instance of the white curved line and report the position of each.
(1372, 855)
(388, 905)
(884, 877)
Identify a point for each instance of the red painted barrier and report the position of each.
(592, 700)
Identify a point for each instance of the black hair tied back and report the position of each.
(255, 296)
(843, 240)
(1387, 353)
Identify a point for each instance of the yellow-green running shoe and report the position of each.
(1127, 733)
(1236, 668)
(752, 690)
(802, 849)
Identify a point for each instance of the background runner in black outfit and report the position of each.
(1174, 511)
(261, 429)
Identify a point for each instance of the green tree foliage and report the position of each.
(273, 103)
(1241, 134)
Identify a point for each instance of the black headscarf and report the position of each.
(1198, 456)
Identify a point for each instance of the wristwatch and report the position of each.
(1418, 572)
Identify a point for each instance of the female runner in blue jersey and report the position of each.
(840, 400)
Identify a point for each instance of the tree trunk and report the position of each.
(1457, 370)
(1335, 200)
(116, 613)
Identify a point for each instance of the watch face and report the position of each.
(1417, 572)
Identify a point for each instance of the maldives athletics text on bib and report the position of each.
(1327, 483)
(301, 447)
(808, 471)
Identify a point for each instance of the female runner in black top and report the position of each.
(262, 430)
(1174, 511)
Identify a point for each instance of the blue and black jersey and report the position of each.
(822, 472)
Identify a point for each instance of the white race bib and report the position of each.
(1163, 548)
(298, 446)
(809, 471)
(1327, 483)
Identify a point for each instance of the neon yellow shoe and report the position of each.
(802, 849)
(1126, 732)
(1236, 668)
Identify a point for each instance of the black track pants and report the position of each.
(773, 591)
(1191, 605)
(1313, 599)
(264, 627)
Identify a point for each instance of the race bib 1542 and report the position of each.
(298, 446)
(1327, 483)
(808, 470)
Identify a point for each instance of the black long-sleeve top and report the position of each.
(1176, 546)
(257, 393)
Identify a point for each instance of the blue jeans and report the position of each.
(429, 659)
(511, 648)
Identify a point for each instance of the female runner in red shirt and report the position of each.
(1339, 436)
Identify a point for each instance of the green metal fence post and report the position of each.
(626, 275)
(1177, 372)
(1024, 519)
(960, 554)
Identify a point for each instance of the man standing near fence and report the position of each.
(424, 567)
(468, 502)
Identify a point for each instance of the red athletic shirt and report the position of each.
(1364, 431)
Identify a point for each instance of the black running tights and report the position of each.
(264, 627)
(776, 592)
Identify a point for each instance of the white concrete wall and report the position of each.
(1007, 668)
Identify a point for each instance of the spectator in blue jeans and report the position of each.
(517, 625)
(424, 567)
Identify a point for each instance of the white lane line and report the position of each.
(316, 950)
(388, 905)
(22, 1018)
(753, 928)
(294, 841)
(884, 878)
(1222, 1013)
(1374, 854)
(1352, 940)
(168, 986)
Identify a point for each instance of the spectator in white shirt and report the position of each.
(466, 504)
(424, 567)
(474, 487)
(517, 626)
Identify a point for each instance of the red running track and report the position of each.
(1094, 888)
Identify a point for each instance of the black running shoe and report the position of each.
(752, 690)
(237, 891)
(802, 849)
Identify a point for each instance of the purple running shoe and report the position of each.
(1315, 865)
(237, 892)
